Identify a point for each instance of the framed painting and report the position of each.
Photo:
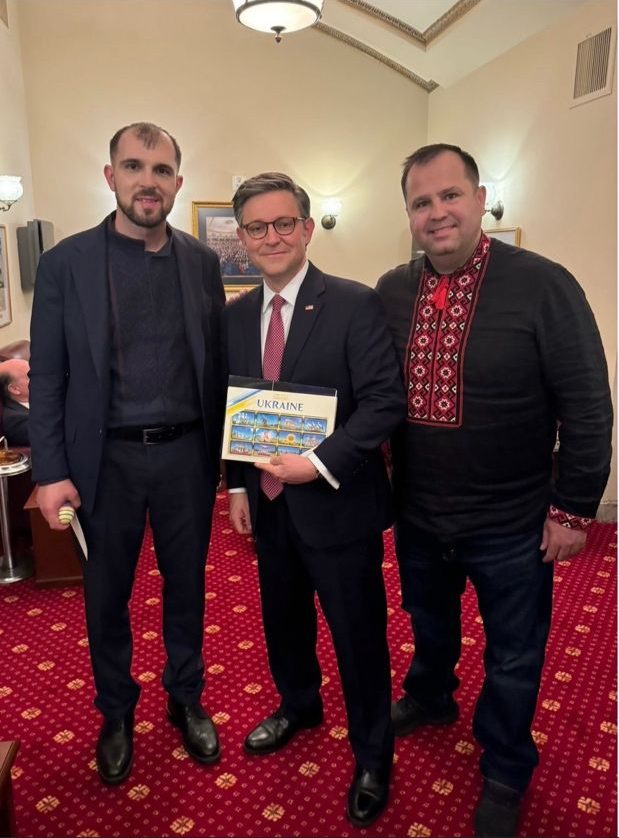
(509, 235)
(214, 224)
(5, 288)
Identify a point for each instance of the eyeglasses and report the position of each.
(283, 226)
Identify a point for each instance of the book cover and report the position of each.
(264, 418)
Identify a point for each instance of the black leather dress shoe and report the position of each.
(367, 796)
(115, 749)
(277, 730)
(407, 715)
(498, 811)
(196, 726)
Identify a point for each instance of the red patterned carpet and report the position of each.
(46, 702)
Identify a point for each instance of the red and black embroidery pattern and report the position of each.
(567, 519)
(442, 318)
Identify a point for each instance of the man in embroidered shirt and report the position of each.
(318, 520)
(499, 348)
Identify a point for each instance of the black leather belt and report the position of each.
(154, 436)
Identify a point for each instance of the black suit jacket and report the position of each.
(15, 422)
(338, 338)
(70, 354)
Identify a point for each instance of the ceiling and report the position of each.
(435, 43)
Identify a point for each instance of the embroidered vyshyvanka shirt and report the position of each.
(442, 318)
(494, 356)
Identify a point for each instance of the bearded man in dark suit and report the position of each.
(125, 418)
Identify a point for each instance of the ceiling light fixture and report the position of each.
(278, 16)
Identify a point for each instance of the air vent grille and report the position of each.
(594, 66)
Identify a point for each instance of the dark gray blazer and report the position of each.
(70, 354)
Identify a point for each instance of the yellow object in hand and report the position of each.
(66, 514)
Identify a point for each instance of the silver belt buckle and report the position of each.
(145, 436)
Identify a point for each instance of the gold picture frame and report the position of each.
(213, 223)
(509, 235)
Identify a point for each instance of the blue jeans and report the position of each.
(514, 591)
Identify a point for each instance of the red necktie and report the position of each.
(271, 366)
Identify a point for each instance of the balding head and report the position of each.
(14, 381)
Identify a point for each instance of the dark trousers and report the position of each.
(169, 480)
(349, 582)
(514, 591)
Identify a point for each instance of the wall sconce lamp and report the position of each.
(331, 208)
(11, 190)
(278, 16)
(494, 204)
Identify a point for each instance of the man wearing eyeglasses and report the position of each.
(318, 519)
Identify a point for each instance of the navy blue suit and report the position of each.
(314, 537)
(118, 480)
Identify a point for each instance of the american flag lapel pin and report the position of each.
(309, 308)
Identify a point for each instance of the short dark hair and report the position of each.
(427, 153)
(149, 133)
(268, 182)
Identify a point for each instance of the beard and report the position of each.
(151, 217)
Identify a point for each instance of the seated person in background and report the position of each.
(14, 386)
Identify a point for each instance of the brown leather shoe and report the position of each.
(196, 726)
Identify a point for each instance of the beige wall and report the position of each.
(14, 160)
(337, 121)
(558, 165)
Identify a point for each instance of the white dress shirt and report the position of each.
(289, 293)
